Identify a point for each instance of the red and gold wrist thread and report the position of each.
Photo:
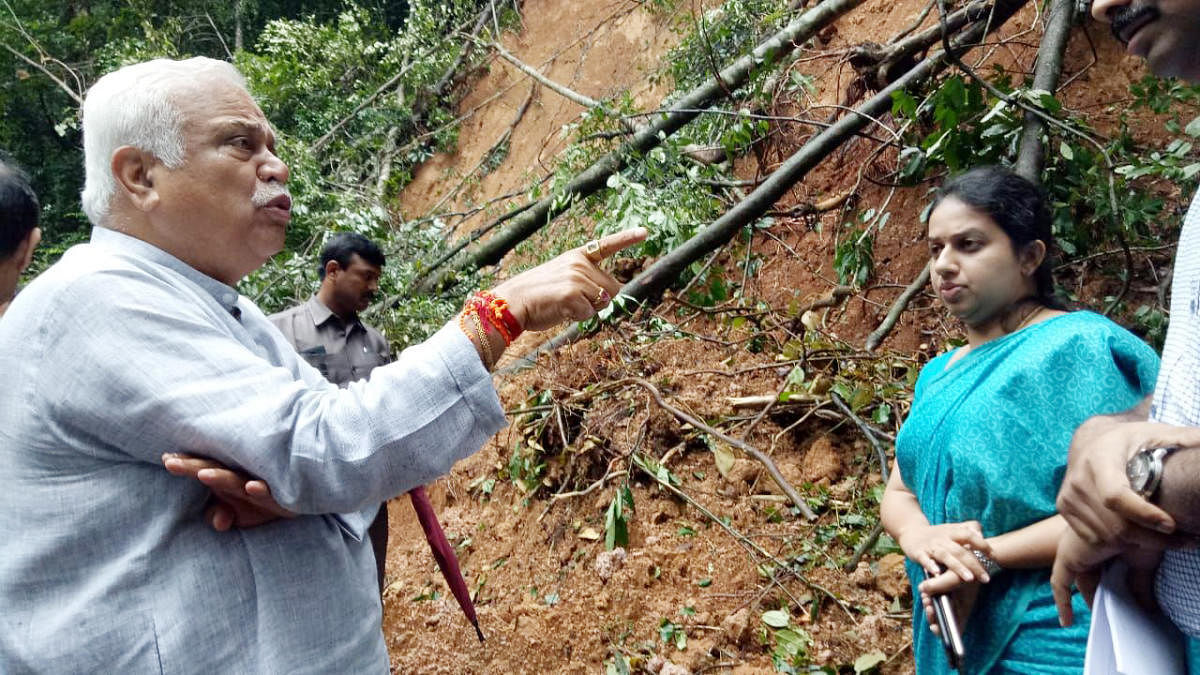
(484, 312)
(496, 311)
(501, 311)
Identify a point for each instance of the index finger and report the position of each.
(1061, 580)
(187, 465)
(610, 244)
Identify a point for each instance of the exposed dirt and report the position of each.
(550, 599)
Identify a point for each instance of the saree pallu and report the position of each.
(987, 440)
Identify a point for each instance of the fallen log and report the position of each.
(1032, 154)
(648, 286)
(676, 115)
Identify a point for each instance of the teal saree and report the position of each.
(987, 440)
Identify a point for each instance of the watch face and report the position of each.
(1137, 469)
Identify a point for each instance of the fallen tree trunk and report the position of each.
(878, 65)
(876, 337)
(648, 285)
(1045, 78)
(671, 120)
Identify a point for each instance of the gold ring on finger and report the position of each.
(591, 249)
(602, 299)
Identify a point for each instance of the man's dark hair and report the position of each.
(18, 209)
(343, 246)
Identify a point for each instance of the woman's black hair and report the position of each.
(1015, 204)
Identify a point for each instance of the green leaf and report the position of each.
(1066, 151)
(618, 666)
(776, 618)
(868, 661)
(791, 644)
(616, 522)
(1193, 128)
(722, 457)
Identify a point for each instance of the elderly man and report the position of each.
(327, 332)
(1133, 486)
(19, 231)
(137, 342)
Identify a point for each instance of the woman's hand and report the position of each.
(962, 600)
(948, 547)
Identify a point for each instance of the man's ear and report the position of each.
(1032, 256)
(134, 171)
(31, 241)
(331, 267)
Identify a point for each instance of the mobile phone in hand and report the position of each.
(948, 627)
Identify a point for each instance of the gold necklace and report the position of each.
(1029, 315)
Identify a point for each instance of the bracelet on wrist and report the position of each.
(989, 564)
(473, 327)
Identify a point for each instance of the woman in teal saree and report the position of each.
(981, 456)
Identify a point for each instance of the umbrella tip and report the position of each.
(477, 631)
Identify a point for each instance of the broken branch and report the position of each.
(898, 307)
(745, 447)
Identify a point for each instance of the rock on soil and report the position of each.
(608, 562)
(891, 578)
(822, 462)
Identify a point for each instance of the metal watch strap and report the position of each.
(1157, 457)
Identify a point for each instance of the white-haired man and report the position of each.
(137, 342)
(1132, 485)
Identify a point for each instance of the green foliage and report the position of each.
(666, 190)
(721, 35)
(617, 665)
(791, 642)
(853, 258)
(616, 519)
(526, 466)
(955, 127)
(672, 633)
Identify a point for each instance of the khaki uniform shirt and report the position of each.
(343, 352)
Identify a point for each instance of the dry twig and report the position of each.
(745, 447)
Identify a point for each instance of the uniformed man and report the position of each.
(327, 332)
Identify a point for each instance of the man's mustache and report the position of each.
(1130, 15)
(265, 192)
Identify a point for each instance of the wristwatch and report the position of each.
(1145, 469)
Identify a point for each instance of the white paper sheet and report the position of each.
(1127, 640)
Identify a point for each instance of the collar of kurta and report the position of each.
(123, 244)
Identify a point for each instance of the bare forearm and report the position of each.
(1031, 546)
(899, 509)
